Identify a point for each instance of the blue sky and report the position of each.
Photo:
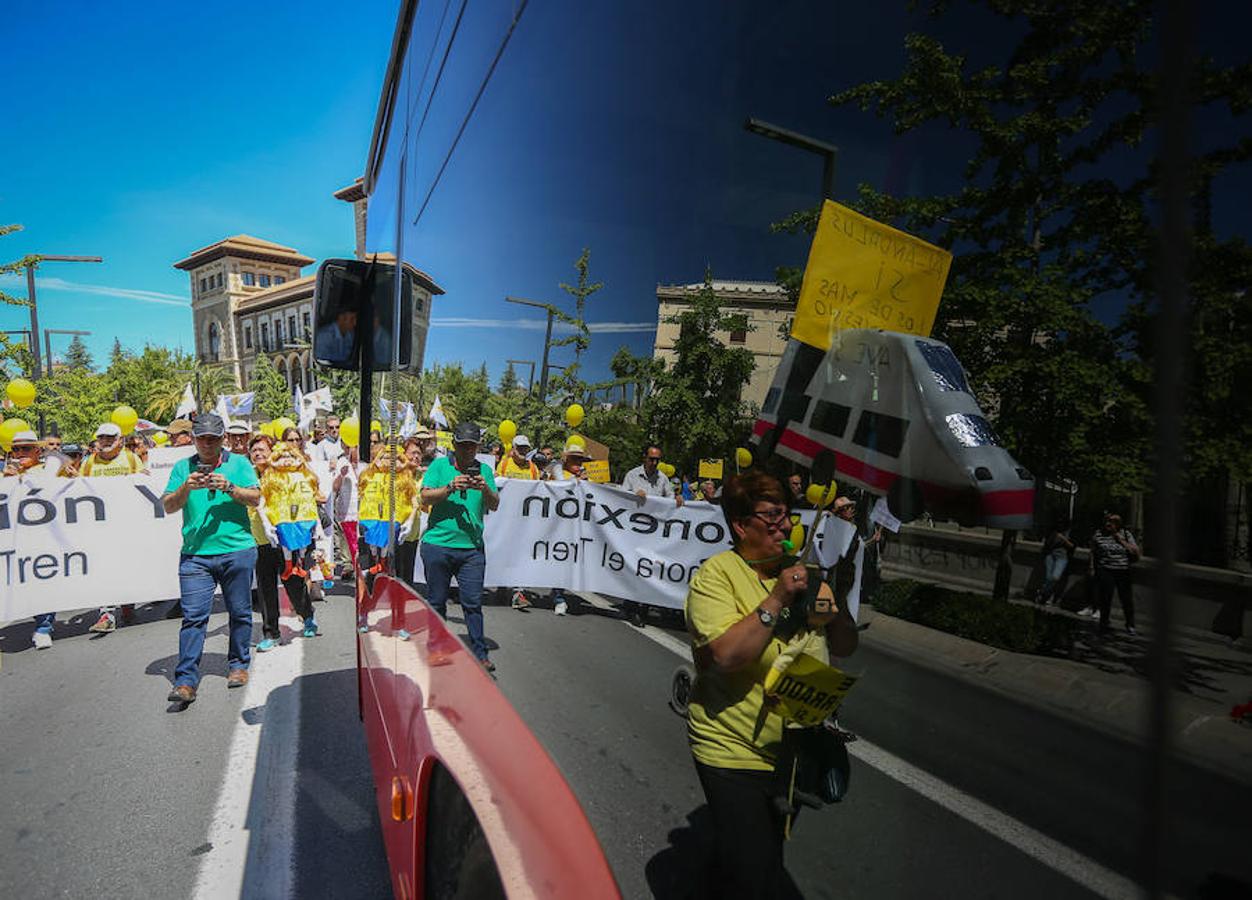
(143, 136)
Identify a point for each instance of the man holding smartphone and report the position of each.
(213, 489)
(458, 489)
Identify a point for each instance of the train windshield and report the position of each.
(943, 364)
(972, 431)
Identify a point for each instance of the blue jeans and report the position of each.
(45, 621)
(469, 567)
(197, 577)
(1053, 568)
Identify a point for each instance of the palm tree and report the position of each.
(167, 392)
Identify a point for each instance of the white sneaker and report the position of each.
(42, 640)
(1087, 611)
(561, 607)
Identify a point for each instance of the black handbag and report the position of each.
(813, 766)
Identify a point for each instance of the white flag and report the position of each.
(298, 406)
(239, 405)
(320, 399)
(221, 409)
(409, 428)
(187, 405)
(436, 414)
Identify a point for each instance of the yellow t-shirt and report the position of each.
(125, 463)
(727, 725)
(509, 468)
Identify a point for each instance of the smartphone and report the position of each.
(204, 468)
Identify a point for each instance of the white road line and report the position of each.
(252, 830)
(1035, 844)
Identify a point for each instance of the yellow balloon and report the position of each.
(8, 428)
(281, 424)
(821, 495)
(577, 439)
(574, 415)
(743, 458)
(124, 417)
(666, 469)
(375, 425)
(507, 431)
(21, 392)
(160, 438)
(797, 536)
(350, 431)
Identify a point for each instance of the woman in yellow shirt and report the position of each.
(736, 600)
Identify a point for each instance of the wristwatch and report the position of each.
(768, 619)
(230, 489)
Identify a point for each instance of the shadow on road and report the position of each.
(684, 869)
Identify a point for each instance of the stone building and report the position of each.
(767, 307)
(249, 296)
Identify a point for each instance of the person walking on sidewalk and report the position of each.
(1113, 551)
(458, 489)
(111, 459)
(214, 490)
(518, 465)
(1056, 550)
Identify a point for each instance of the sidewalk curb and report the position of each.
(1202, 735)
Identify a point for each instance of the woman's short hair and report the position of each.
(741, 494)
(412, 442)
(261, 439)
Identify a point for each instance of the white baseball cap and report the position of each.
(109, 429)
(521, 441)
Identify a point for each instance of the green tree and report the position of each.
(584, 288)
(77, 356)
(75, 400)
(15, 267)
(272, 397)
(696, 410)
(155, 374)
(508, 382)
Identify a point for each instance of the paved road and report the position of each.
(955, 792)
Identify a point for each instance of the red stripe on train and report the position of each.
(848, 465)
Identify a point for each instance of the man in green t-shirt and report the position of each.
(214, 489)
(458, 489)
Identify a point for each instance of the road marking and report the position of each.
(1035, 844)
(252, 830)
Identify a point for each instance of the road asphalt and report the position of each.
(112, 792)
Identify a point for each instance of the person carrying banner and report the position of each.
(180, 433)
(518, 465)
(23, 458)
(213, 490)
(111, 459)
(568, 468)
(646, 480)
(736, 600)
(458, 490)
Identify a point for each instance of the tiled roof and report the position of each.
(247, 247)
(352, 193)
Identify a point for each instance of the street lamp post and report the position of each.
(547, 341)
(47, 344)
(530, 382)
(34, 262)
(826, 151)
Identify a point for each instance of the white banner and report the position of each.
(70, 543)
(590, 537)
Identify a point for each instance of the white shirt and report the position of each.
(346, 497)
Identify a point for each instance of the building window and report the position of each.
(278, 333)
(307, 326)
(278, 279)
(739, 336)
(265, 336)
(264, 280)
(215, 342)
(203, 286)
(291, 327)
(418, 303)
(247, 337)
(249, 279)
(219, 279)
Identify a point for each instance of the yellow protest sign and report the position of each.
(864, 274)
(597, 470)
(711, 468)
(443, 440)
(809, 691)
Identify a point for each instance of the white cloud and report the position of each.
(541, 324)
(60, 284)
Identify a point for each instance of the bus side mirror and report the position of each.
(354, 303)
